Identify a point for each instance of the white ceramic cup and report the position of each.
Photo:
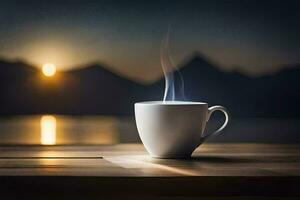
(174, 129)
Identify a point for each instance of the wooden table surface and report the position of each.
(126, 169)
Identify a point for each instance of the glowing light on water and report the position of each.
(48, 130)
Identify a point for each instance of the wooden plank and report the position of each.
(208, 160)
(124, 186)
(214, 170)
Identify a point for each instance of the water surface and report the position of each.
(82, 130)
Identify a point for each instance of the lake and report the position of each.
(82, 130)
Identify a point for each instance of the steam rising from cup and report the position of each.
(174, 83)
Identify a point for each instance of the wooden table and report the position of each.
(125, 170)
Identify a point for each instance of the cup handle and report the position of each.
(210, 111)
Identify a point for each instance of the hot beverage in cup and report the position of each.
(174, 129)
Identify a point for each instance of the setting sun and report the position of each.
(49, 69)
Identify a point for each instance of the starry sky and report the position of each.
(255, 37)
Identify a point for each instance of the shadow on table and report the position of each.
(219, 159)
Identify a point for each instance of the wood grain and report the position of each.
(213, 170)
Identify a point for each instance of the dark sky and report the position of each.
(254, 36)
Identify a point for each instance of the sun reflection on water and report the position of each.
(48, 130)
(66, 130)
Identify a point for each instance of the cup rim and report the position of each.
(170, 103)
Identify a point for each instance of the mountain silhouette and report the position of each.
(89, 90)
(267, 96)
(95, 90)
